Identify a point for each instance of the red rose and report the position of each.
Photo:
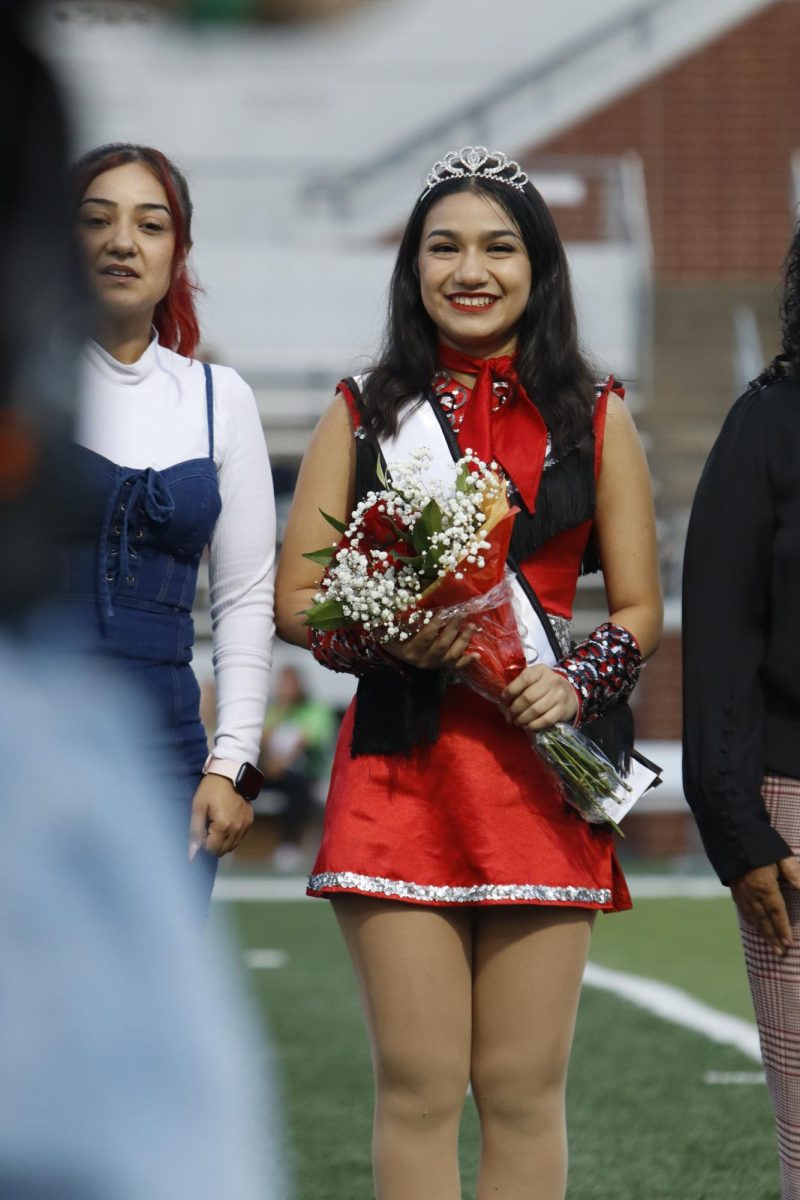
(379, 532)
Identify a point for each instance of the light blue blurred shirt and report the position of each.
(130, 1067)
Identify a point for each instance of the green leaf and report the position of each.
(430, 521)
(323, 557)
(462, 477)
(326, 610)
(339, 526)
(325, 624)
(379, 471)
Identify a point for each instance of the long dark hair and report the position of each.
(175, 316)
(550, 364)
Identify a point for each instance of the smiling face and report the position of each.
(126, 232)
(474, 273)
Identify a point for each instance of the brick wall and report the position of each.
(715, 133)
(657, 699)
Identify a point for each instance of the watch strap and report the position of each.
(246, 779)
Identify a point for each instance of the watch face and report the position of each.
(249, 781)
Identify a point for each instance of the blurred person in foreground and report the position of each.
(464, 886)
(169, 459)
(131, 1067)
(129, 1063)
(295, 758)
(742, 697)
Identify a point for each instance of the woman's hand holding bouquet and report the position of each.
(420, 570)
(539, 698)
(439, 645)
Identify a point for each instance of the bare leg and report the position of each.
(528, 966)
(413, 966)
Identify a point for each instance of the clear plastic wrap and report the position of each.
(587, 780)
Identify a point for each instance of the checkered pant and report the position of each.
(775, 987)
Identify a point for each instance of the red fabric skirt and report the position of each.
(474, 819)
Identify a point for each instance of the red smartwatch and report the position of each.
(247, 780)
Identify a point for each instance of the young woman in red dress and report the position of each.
(465, 888)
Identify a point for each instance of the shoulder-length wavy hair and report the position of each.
(175, 316)
(787, 363)
(550, 363)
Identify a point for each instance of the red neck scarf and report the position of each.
(510, 432)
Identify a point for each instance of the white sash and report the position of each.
(420, 427)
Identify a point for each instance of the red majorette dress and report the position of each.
(475, 818)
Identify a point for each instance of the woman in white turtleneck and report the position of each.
(171, 459)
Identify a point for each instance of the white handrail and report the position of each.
(794, 191)
(748, 355)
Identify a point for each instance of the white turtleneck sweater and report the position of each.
(152, 413)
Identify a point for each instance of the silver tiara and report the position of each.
(476, 161)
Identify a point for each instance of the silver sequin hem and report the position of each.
(481, 893)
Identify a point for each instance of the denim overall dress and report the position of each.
(126, 585)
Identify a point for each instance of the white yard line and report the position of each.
(676, 887)
(265, 959)
(255, 889)
(259, 888)
(674, 1005)
(736, 1078)
(664, 1001)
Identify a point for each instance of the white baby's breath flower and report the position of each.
(380, 592)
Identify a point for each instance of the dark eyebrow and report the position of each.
(112, 204)
(490, 235)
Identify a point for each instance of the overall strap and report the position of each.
(209, 408)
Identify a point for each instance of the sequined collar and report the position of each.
(454, 397)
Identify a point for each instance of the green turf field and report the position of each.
(644, 1124)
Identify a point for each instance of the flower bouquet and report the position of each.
(420, 550)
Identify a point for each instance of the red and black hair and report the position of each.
(175, 317)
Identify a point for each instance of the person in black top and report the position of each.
(741, 642)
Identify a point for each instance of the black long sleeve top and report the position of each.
(741, 628)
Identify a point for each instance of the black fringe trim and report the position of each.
(613, 733)
(590, 563)
(396, 712)
(566, 498)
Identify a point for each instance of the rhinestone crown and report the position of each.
(475, 161)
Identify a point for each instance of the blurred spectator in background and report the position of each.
(268, 11)
(295, 758)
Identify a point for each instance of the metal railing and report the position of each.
(794, 184)
(748, 353)
(475, 123)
